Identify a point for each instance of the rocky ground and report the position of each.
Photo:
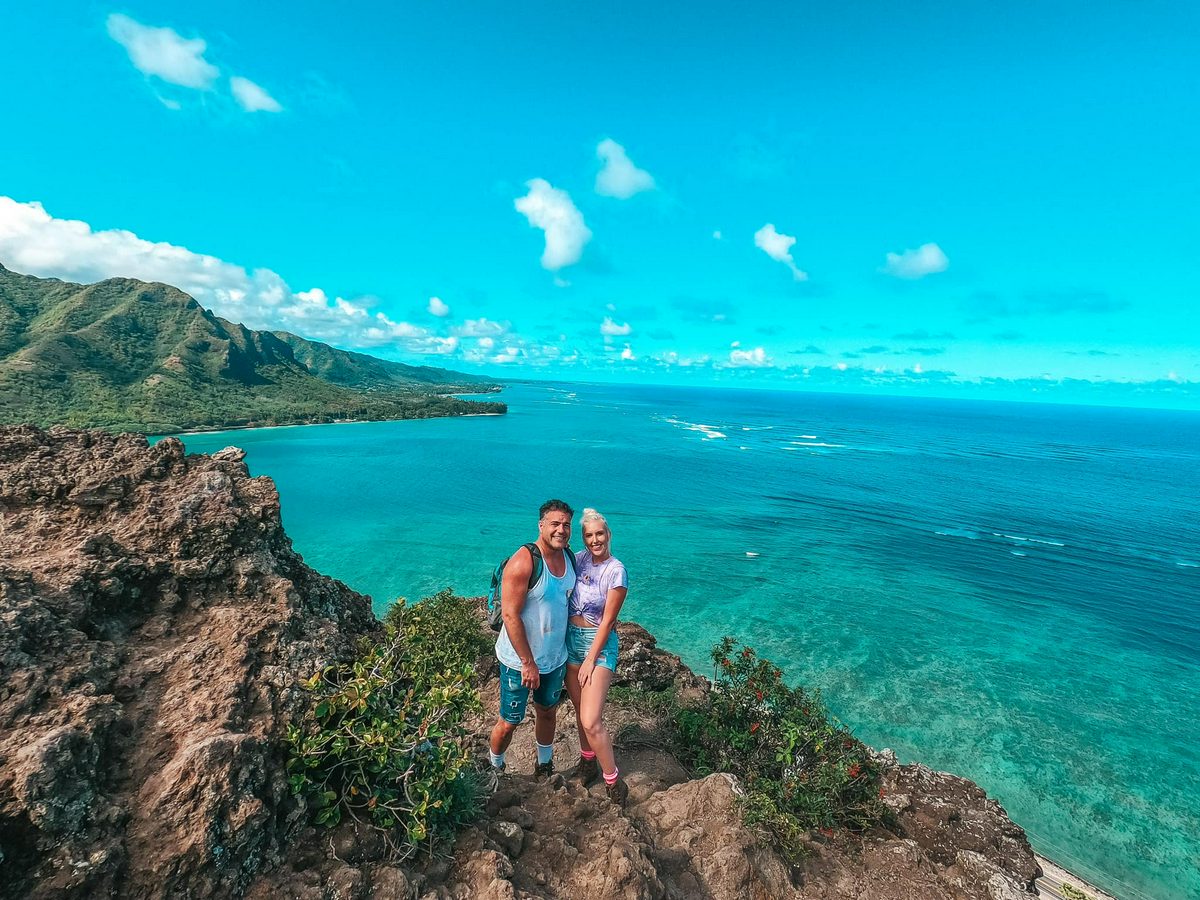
(153, 622)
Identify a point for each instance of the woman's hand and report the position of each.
(586, 668)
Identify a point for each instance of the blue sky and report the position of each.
(952, 199)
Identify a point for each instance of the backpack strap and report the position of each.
(535, 554)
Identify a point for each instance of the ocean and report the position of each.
(1006, 591)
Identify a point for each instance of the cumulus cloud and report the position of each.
(163, 53)
(550, 209)
(482, 328)
(251, 97)
(619, 177)
(437, 307)
(34, 242)
(609, 328)
(756, 358)
(927, 259)
(627, 354)
(778, 247)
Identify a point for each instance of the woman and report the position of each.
(600, 588)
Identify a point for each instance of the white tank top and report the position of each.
(545, 621)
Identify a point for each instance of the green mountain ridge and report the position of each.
(130, 355)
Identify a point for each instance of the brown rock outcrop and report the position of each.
(153, 617)
(154, 620)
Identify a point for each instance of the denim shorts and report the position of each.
(514, 696)
(579, 642)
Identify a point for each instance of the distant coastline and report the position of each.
(221, 428)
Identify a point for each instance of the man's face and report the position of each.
(555, 529)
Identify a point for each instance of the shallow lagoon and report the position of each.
(1006, 591)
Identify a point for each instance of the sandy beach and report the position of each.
(1055, 876)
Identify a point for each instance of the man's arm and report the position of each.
(512, 602)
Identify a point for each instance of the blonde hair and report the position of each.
(590, 515)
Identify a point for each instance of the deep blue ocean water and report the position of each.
(1010, 592)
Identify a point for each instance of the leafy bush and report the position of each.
(384, 740)
(801, 769)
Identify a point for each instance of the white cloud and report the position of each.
(34, 242)
(163, 53)
(609, 328)
(756, 358)
(927, 259)
(778, 247)
(483, 327)
(251, 97)
(550, 209)
(619, 177)
(627, 354)
(437, 307)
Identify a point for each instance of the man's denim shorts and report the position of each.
(579, 642)
(514, 696)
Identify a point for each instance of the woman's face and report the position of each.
(595, 538)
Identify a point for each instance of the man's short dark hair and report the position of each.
(554, 506)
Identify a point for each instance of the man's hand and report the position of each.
(530, 676)
(586, 668)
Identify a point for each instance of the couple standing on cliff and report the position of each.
(560, 631)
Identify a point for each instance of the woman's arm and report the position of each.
(612, 607)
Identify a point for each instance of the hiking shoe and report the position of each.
(587, 771)
(618, 792)
(491, 777)
(543, 770)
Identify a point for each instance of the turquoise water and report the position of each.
(1006, 591)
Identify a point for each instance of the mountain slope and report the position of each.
(130, 355)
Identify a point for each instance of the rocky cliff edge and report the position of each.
(154, 624)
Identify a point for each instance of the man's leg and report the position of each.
(513, 698)
(544, 720)
(545, 715)
(502, 733)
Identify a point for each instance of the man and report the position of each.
(532, 647)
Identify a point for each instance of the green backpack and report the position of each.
(494, 617)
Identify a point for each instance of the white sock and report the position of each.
(545, 753)
(496, 758)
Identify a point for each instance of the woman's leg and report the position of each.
(574, 693)
(591, 717)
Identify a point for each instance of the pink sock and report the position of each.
(588, 754)
(611, 778)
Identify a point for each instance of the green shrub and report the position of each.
(801, 769)
(384, 740)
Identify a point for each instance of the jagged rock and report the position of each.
(703, 848)
(946, 814)
(154, 621)
(645, 667)
(145, 686)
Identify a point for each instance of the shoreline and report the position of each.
(1054, 875)
(218, 429)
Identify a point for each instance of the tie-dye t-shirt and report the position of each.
(593, 581)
